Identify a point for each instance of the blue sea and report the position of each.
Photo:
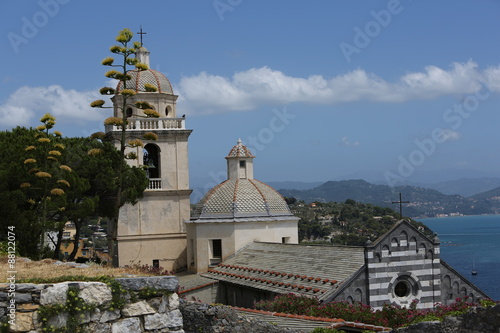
(468, 242)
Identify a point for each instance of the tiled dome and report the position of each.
(241, 198)
(139, 78)
(239, 151)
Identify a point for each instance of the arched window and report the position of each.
(152, 160)
(394, 242)
(168, 109)
(385, 251)
(413, 244)
(422, 250)
(455, 289)
(358, 295)
(403, 239)
(349, 300)
(129, 112)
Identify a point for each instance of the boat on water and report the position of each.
(473, 271)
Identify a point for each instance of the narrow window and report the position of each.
(129, 112)
(156, 263)
(215, 252)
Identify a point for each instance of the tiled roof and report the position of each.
(315, 271)
(140, 78)
(239, 150)
(241, 198)
(307, 323)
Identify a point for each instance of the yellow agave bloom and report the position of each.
(25, 185)
(62, 181)
(94, 152)
(30, 148)
(65, 167)
(150, 136)
(48, 117)
(136, 143)
(55, 153)
(57, 191)
(44, 140)
(42, 174)
(29, 160)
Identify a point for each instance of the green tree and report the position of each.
(46, 176)
(95, 190)
(125, 51)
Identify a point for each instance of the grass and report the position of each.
(46, 270)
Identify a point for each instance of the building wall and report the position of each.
(355, 290)
(453, 286)
(235, 295)
(404, 266)
(233, 236)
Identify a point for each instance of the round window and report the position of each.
(402, 289)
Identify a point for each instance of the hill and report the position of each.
(423, 202)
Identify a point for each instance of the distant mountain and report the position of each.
(467, 186)
(423, 202)
(292, 185)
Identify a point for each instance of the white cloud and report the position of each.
(27, 104)
(346, 142)
(246, 90)
(450, 135)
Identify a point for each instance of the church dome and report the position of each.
(140, 78)
(241, 198)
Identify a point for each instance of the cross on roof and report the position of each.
(141, 33)
(400, 202)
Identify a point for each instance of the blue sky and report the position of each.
(318, 90)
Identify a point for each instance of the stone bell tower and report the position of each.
(152, 231)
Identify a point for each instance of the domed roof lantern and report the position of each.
(142, 54)
(239, 162)
(239, 150)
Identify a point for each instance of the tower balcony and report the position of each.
(154, 184)
(148, 124)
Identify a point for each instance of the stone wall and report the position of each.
(148, 304)
(207, 318)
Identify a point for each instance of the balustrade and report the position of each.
(154, 184)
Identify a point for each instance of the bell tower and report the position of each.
(152, 231)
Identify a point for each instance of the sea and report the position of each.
(471, 242)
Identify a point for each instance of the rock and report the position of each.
(96, 293)
(109, 315)
(156, 321)
(59, 320)
(137, 309)
(23, 322)
(127, 325)
(56, 294)
(157, 282)
(23, 298)
(173, 302)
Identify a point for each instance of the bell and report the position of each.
(151, 164)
